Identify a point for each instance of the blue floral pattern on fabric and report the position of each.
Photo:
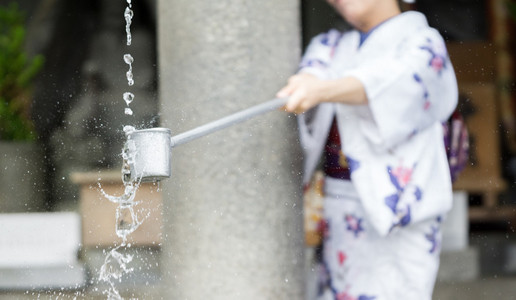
(325, 283)
(352, 163)
(437, 56)
(354, 224)
(328, 40)
(346, 296)
(314, 63)
(426, 95)
(331, 38)
(366, 298)
(432, 238)
(401, 180)
(437, 62)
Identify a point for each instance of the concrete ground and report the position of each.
(481, 289)
(496, 279)
(497, 268)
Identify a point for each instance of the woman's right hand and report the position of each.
(304, 92)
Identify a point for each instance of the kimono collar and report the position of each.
(396, 25)
(365, 35)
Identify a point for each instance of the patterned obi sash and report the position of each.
(335, 163)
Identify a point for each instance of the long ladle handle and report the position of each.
(227, 121)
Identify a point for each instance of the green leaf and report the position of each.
(16, 74)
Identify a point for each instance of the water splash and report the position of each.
(113, 269)
(128, 129)
(128, 219)
(127, 197)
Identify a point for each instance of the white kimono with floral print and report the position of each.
(394, 145)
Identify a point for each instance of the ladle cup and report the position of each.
(147, 151)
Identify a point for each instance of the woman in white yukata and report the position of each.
(371, 102)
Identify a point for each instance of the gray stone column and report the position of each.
(233, 215)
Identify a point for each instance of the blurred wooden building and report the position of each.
(481, 45)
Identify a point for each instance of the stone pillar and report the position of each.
(233, 216)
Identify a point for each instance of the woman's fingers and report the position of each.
(293, 102)
(298, 102)
(297, 90)
(284, 92)
(287, 90)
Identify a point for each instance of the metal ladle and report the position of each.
(147, 151)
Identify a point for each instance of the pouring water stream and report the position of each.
(127, 219)
(140, 164)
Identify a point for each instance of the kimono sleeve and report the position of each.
(319, 53)
(409, 90)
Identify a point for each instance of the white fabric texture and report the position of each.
(359, 264)
(382, 238)
(394, 144)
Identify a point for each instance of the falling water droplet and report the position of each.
(128, 218)
(128, 58)
(126, 221)
(129, 74)
(128, 97)
(128, 14)
(128, 129)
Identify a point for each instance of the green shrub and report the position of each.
(16, 74)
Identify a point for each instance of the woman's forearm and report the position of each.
(306, 91)
(347, 90)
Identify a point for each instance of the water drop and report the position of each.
(128, 129)
(128, 14)
(130, 80)
(128, 58)
(128, 98)
(115, 265)
(129, 74)
(126, 221)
